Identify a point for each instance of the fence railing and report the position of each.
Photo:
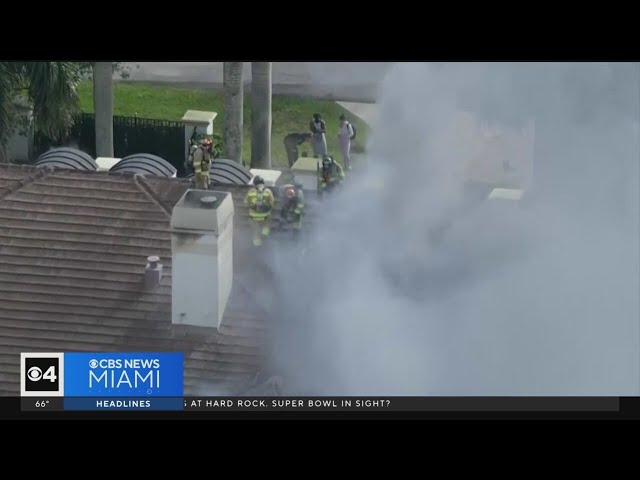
(131, 135)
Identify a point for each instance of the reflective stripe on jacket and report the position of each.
(260, 203)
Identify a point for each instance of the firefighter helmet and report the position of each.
(258, 180)
(206, 143)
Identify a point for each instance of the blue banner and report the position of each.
(123, 375)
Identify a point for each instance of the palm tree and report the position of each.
(50, 88)
(103, 107)
(261, 115)
(233, 114)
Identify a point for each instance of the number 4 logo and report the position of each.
(50, 374)
(35, 374)
(42, 374)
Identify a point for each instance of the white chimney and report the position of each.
(106, 163)
(270, 177)
(514, 194)
(202, 264)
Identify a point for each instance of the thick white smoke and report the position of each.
(412, 286)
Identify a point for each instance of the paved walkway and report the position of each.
(367, 112)
(348, 81)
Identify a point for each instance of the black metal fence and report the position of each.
(130, 135)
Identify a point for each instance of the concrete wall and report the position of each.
(20, 144)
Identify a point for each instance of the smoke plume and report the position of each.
(415, 285)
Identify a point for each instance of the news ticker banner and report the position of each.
(154, 382)
(102, 381)
(327, 404)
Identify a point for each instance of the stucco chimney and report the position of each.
(202, 263)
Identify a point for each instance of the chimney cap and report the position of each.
(208, 201)
(212, 215)
(153, 259)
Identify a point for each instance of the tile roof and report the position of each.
(73, 248)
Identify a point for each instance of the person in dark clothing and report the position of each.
(291, 143)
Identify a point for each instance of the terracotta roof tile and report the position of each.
(73, 248)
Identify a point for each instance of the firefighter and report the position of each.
(260, 202)
(331, 174)
(193, 145)
(202, 163)
(293, 206)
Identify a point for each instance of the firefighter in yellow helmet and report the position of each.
(202, 157)
(293, 206)
(331, 174)
(260, 201)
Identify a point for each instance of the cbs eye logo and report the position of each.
(34, 374)
(41, 374)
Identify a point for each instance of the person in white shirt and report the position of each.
(318, 128)
(345, 135)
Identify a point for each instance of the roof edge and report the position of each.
(23, 182)
(143, 185)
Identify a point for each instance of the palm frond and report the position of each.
(9, 81)
(52, 89)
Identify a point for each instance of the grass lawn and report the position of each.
(289, 114)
